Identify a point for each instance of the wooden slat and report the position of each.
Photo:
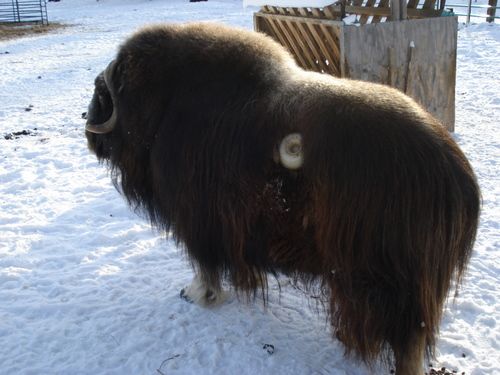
(297, 42)
(285, 37)
(306, 12)
(364, 18)
(386, 12)
(277, 10)
(381, 4)
(318, 13)
(319, 35)
(412, 4)
(306, 51)
(329, 49)
(365, 11)
(332, 12)
(327, 53)
(299, 47)
(278, 34)
(306, 20)
(314, 34)
(311, 41)
(292, 44)
(429, 4)
(332, 42)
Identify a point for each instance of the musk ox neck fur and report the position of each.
(380, 214)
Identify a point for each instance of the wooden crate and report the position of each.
(416, 54)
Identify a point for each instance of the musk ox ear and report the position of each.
(101, 116)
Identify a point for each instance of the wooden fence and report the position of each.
(417, 54)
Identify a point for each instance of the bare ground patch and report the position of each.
(15, 30)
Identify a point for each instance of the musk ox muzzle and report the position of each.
(259, 167)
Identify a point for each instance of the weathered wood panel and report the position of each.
(314, 42)
(380, 52)
(377, 52)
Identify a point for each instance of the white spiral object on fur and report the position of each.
(291, 155)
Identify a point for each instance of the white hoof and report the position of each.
(202, 294)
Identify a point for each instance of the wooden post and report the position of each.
(491, 10)
(402, 9)
(398, 10)
(392, 68)
(411, 47)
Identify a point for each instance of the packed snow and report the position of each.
(86, 287)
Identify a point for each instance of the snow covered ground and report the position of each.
(87, 288)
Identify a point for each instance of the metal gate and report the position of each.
(23, 11)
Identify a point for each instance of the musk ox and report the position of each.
(258, 167)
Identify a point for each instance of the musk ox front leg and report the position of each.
(204, 290)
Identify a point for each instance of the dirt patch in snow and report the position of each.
(19, 134)
(15, 30)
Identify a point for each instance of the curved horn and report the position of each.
(290, 151)
(109, 125)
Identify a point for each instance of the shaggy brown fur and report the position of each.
(382, 215)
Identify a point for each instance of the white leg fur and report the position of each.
(203, 294)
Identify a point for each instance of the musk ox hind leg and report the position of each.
(204, 290)
(412, 362)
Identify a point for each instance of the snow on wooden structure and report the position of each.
(393, 42)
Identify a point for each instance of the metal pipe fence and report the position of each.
(23, 11)
(489, 14)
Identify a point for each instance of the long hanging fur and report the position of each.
(396, 208)
(382, 215)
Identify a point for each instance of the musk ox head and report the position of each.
(257, 166)
(101, 115)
